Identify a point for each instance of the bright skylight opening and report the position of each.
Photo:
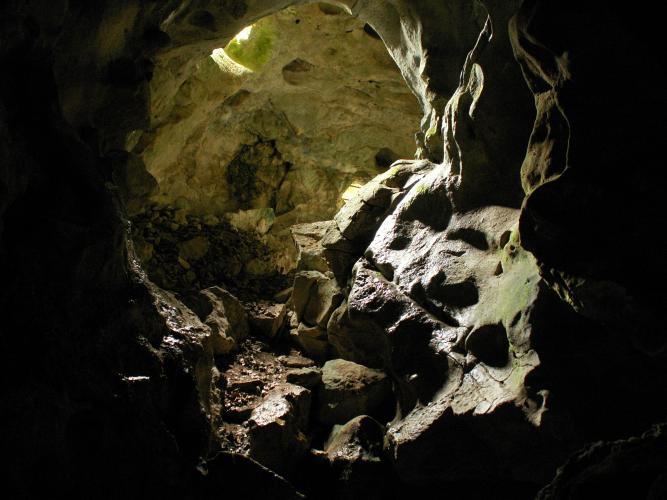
(244, 34)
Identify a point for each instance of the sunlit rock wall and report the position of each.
(323, 107)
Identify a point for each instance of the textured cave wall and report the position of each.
(102, 389)
(326, 96)
(107, 383)
(320, 109)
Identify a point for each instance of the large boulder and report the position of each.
(349, 389)
(278, 426)
(355, 451)
(314, 297)
(227, 319)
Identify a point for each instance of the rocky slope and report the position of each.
(466, 321)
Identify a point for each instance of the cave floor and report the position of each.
(249, 375)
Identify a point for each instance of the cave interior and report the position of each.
(354, 249)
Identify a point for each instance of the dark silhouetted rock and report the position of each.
(355, 451)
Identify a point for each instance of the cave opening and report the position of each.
(275, 130)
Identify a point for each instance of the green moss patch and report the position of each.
(255, 51)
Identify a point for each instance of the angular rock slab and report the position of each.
(228, 319)
(267, 318)
(357, 458)
(277, 427)
(308, 240)
(312, 340)
(309, 378)
(349, 389)
(315, 296)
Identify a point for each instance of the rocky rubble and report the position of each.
(275, 405)
(186, 253)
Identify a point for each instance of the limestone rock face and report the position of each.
(448, 297)
(323, 100)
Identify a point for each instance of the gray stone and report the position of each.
(357, 221)
(283, 295)
(312, 339)
(267, 318)
(277, 427)
(349, 389)
(355, 451)
(357, 340)
(294, 361)
(248, 384)
(334, 240)
(315, 297)
(227, 319)
(308, 239)
(305, 377)
(362, 438)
